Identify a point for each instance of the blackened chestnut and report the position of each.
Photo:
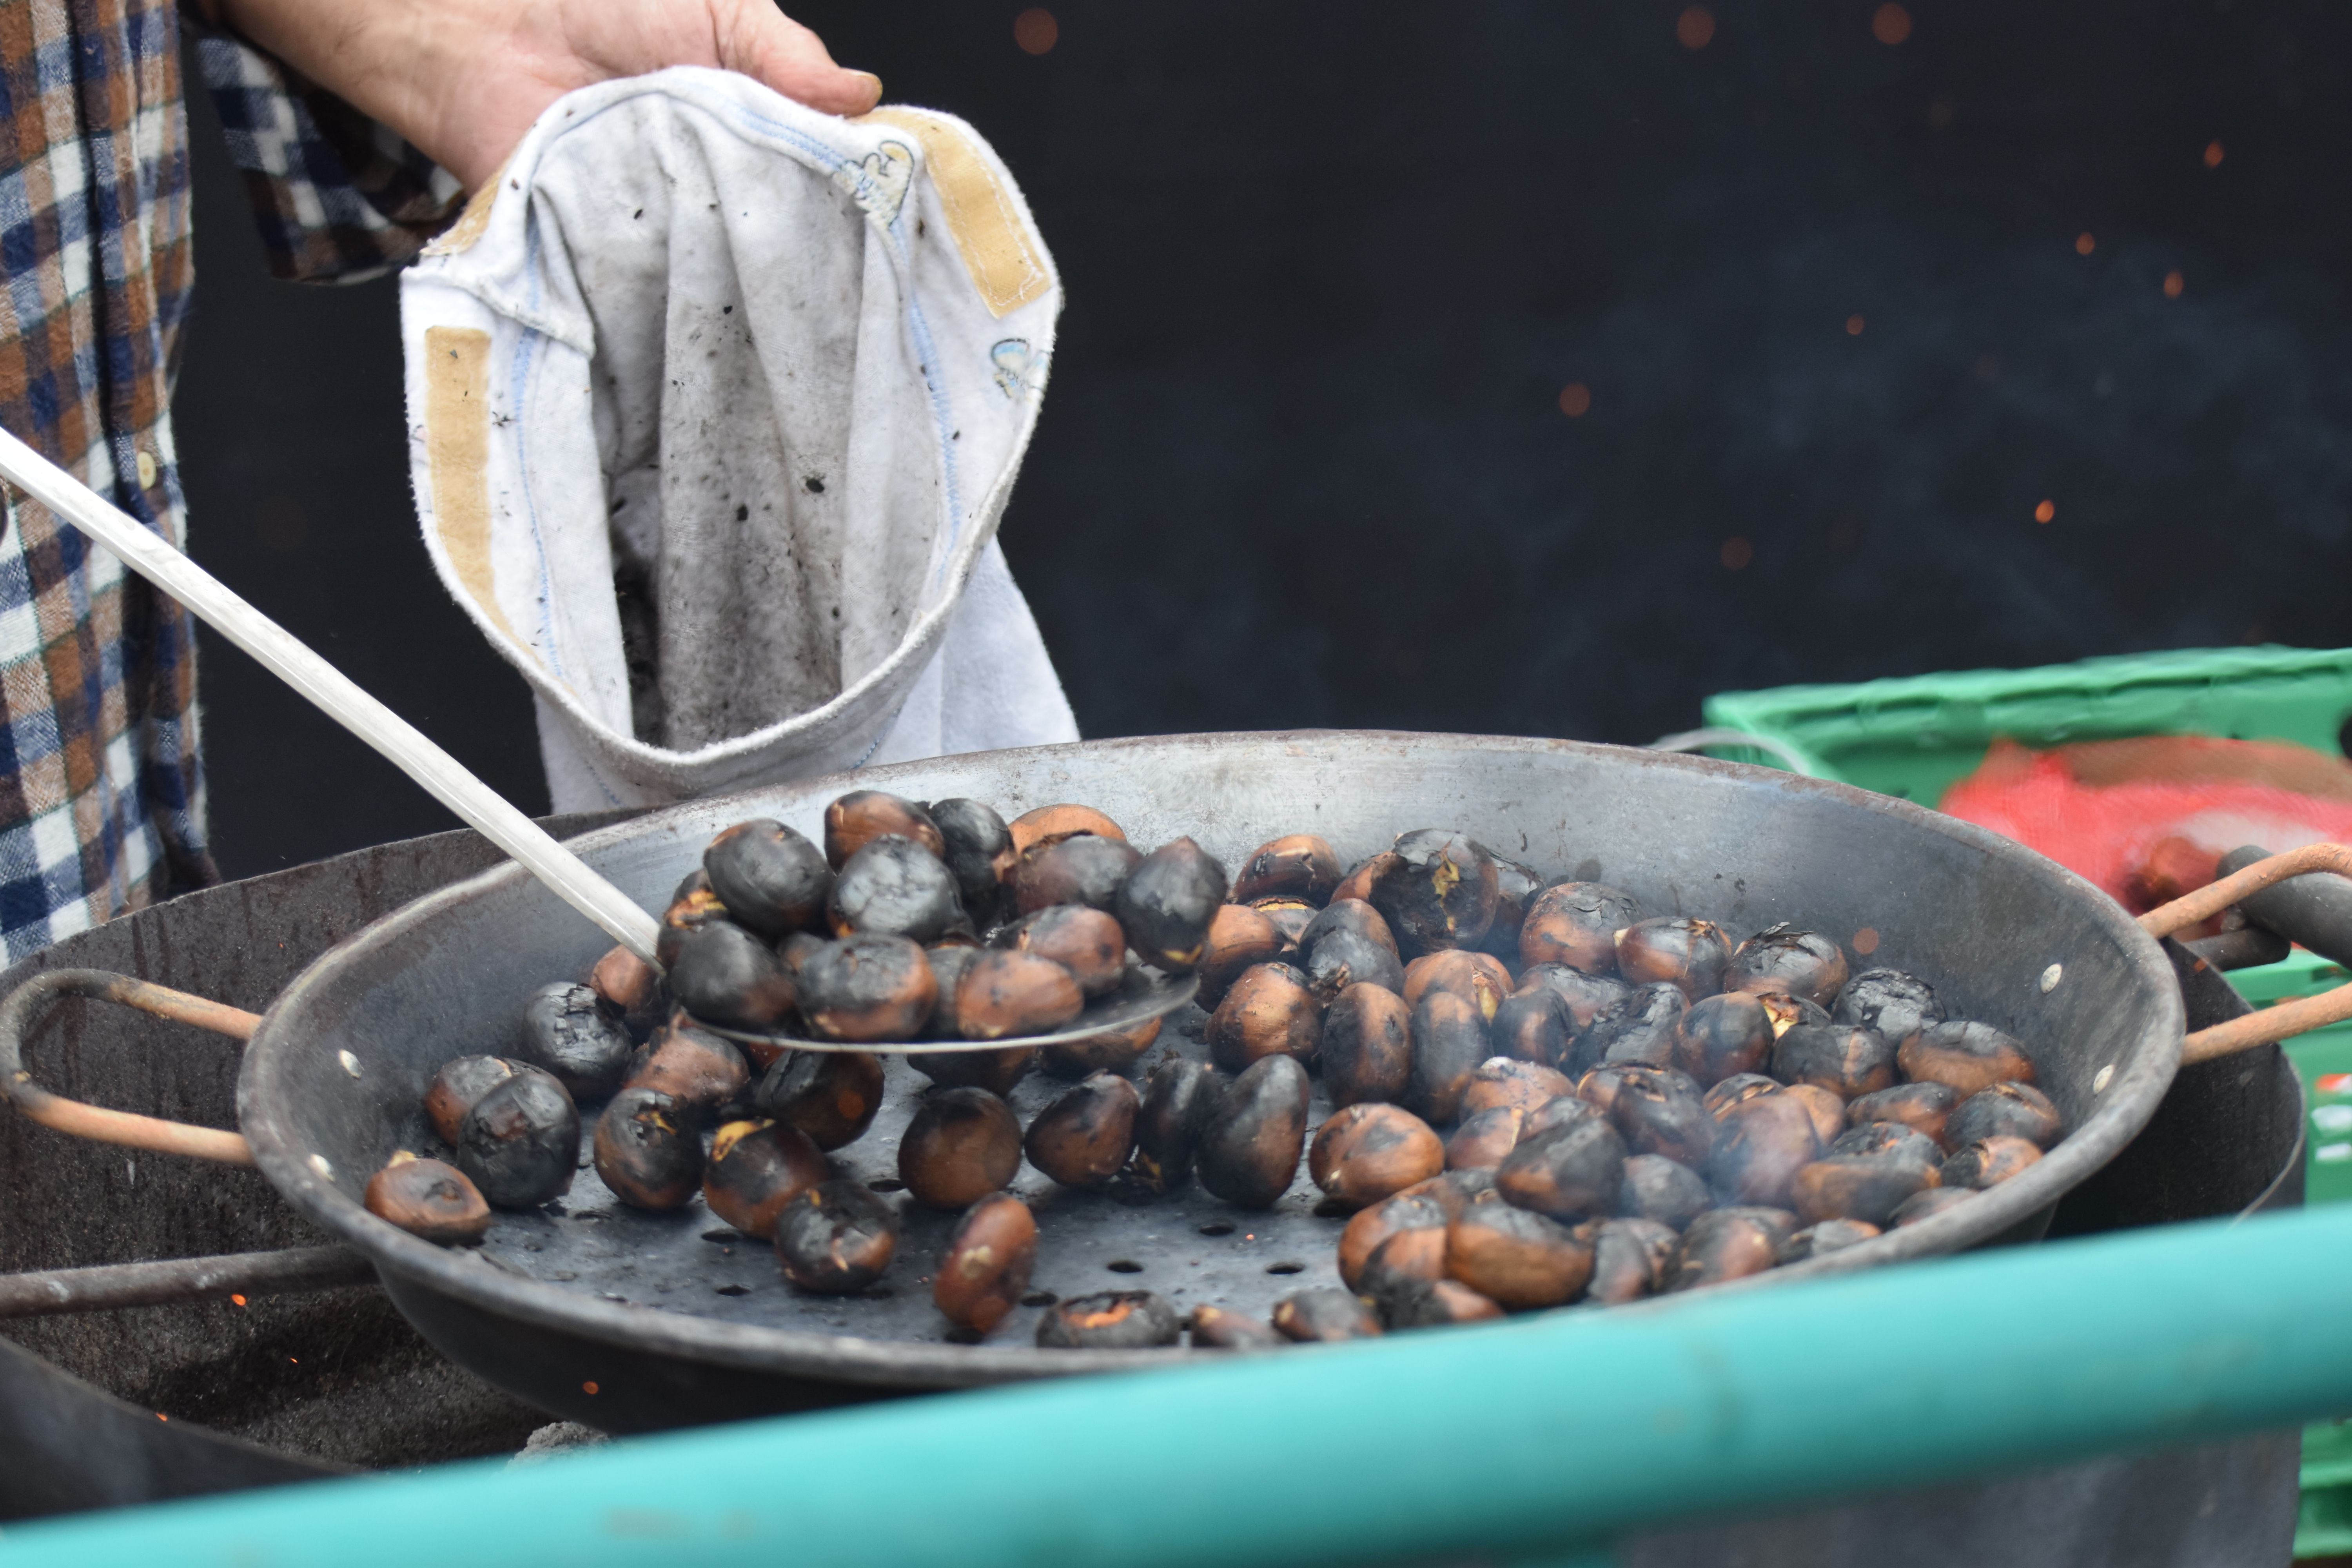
(1325, 1314)
(1295, 865)
(1440, 892)
(1639, 1030)
(1925, 1107)
(429, 1200)
(1899, 1006)
(1531, 1024)
(894, 887)
(1679, 950)
(1366, 1046)
(1363, 1153)
(1166, 903)
(961, 1145)
(836, 1238)
(1007, 995)
(772, 880)
(700, 1070)
(1084, 1138)
(1846, 1060)
(1215, 1328)
(1083, 869)
(1869, 1188)
(1350, 944)
(1570, 1172)
(1658, 1110)
(1048, 823)
(1729, 1244)
(1269, 1011)
(1760, 1144)
(1117, 1051)
(1476, 977)
(1249, 1148)
(691, 908)
(2014, 1110)
(1436, 1304)
(458, 1085)
(521, 1141)
(1786, 1012)
(755, 1168)
(982, 1275)
(871, 986)
(1722, 1037)
(831, 1096)
(1888, 1140)
(1109, 1321)
(995, 1072)
(1570, 1110)
(1663, 1190)
(1827, 1110)
(1484, 1137)
(1827, 1236)
(1516, 1257)
(1929, 1204)
(1516, 886)
(1370, 1229)
(1586, 996)
(1291, 918)
(1177, 1101)
(1731, 1090)
(1576, 925)
(567, 1031)
(649, 1152)
(1084, 940)
(631, 989)
(978, 851)
(1506, 1080)
(1781, 958)
(1630, 1258)
(1239, 937)
(1449, 1042)
(948, 962)
(863, 815)
(1363, 876)
(1598, 1088)
(723, 975)
(1971, 1057)
(1988, 1162)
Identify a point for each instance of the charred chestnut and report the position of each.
(868, 987)
(1729, 1244)
(1571, 1110)
(961, 1145)
(724, 975)
(1484, 1138)
(2006, 1109)
(1084, 1138)
(1082, 870)
(755, 1168)
(1531, 1024)
(691, 908)
(521, 1141)
(1325, 1314)
(995, 1072)
(1048, 823)
(1177, 1104)
(1506, 1080)
(1363, 1153)
(648, 1151)
(979, 852)
(1214, 1328)
(1372, 1229)
(985, 1268)
(1598, 1089)
(1787, 1012)
(1896, 1005)
(1269, 1011)
(1516, 886)
(831, 1096)
(568, 1032)
(863, 815)
(1363, 876)
(1290, 918)
(1115, 1052)
(1971, 1057)
(1722, 1037)
(1109, 1321)
(1760, 1144)
(1350, 944)
(1007, 995)
(1295, 865)
(1440, 892)
(429, 1200)
(1988, 1162)
(1637, 1031)
(1249, 1148)
(1516, 1257)
(1435, 1305)
(1630, 1258)
(1888, 1140)
(1570, 1172)
(1730, 1091)
(1239, 938)
(1166, 902)
(458, 1085)
(948, 962)
(894, 887)
(836, 1237)
(1586, 996)
(631, 989)
(1576, 925)
(1821, 1240)
(1663, 1190)
(1366, 1045)
(1084, 940)
(1449, 1042)
(1827, 1110)
(1865, 1187)
(1677, 950)
(1925, 1107)
(1846, 1060)
(1477, 977)
(1659, 1111)
(1794, 962)
(1929, 1204)
(698, 1070)
(772, 880)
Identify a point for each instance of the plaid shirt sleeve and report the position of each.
(340, 198)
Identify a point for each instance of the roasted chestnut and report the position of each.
(1269, 1011)
(1115, 1052)
(1440, 892)
(1291, 918)
(978, 851)
(2011, 1109)
(1214, 1328)
(1516, 886)
(1531, 1024)
(982, 1275)
(1325, 1314)
(1787, 1012)
(723, 975)
(1888, 1140)
(1249, 1148)
(1048, 823)
(1350, 944)
(1177, 1101)
(1760, 1144)
(1435, 1304)
(1572, 1171)
(567, 1031)
(1678, 949)
(1722, 1037)
(1794, 962)
(1476, 977)
(521, 1141)
(1988, 1162)
(871, 986)
(1826, 1109)
(863, 815)
(1630, 1258)
(1363, 876)
(1925, 1107)
(835, 1239)
(1109, 1321)
(894, 887)
(1419, 1209)
(1729, 1244)
(1295, 865)
(1449, 1042)
(961, 1145)
(458, 1085)
(1363, 1153)
(1846, 1060)
(1586, 996)
(1007, 995)
(1730, 1091)
(1658, 1110)
(1637, 1031)
(631, 989)
(1598, 1088)
(694, 1067)
(1083, 869)
(1896, 1005)
(1166, 901)
(1971, 1057)
(1576, 923)
(831, 1096)
(1506, 1080)
(1569, 1109)
(755, 1168)
(948, 962)
(1084, 940)
(772, 880)
(1929, 1204)
(1084, 1138)
(995, 1072)
(1239, 937)
(1516, 1257)
(1867, 1187)
(429, 1200)
(1664, 1190)
(648, 1153)
(691, 908)
(1366, 1045)
(1484, 1137)
(1821, 1240)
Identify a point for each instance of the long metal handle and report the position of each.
(332, 692)
(232, 1275)
(26, 1005)
(2271, 1023)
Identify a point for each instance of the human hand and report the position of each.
(463, 80)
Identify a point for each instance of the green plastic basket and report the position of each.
(1915, 737)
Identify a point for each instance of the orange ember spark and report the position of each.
(2045, 511)
(2084, 244)
(1695, 28)
(2173, 284)
(1575, 399)
(1036, 30)
(2212, 154)
(1890, 24)
(1854, 325)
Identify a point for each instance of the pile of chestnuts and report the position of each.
(1541, 1094)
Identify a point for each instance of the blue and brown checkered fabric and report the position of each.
(101, 791)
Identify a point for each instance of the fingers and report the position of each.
(761, 41)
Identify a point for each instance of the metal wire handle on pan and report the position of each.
(2286, 1019)
(29, 1002)
(333, 693)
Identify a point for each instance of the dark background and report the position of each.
(1329, 268)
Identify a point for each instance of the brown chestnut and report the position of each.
(1418, 1210)
(1858, 1186)
(1970, 1057)
(1722, 1037)
(1925, 1107)
(1440, 891)
(1896, 1005)
(1506, 1080)
(1847, 1061)
(1760, 1144)
(1630, 1258)
(1295, 865)
(1664, 1190)
(1363, 1153)
(1325, 1314)
(833, 1097)
(1516, 886)
(1363, 876)
(1637, 1031)
(1888, 1140)
(2011, 1109)
(1576, 925)
(1532, 1025)
(1827, 1110)
(519, 1143)
(1436, 1304)
(1083, 869)
(1598, 1088)
(1516, 1257)
(1117, 1051)
(1449, 1042)
(1568, 1111)
(1484, 1137)
(874, 986)
(1249, 1148)
(429, 1200)
(1477, 977)
(1177, 1104)
(1827, 1236)
(961, 1145)
(1166, 902)
(1659, 1111)
(1413, 1256)
(1787, 1012)
(772, 880)
(1269, 1011)
(1677, 950)
(1571, 1171)
(948, 962)
(458, 1085)
(755, 1168)
(979, 850)
(1988, 1162)
(648, 1150)
(895, 887)
(1008, 994)
(863, 815)
(1366, 1046)
(1781, 958)
(836, 1237)
(1239, 937)
(1048, 823)
(1729, 1244)
(982, 1275)
(995, 1072)
(1730, 1091)
(1214, 1328)
(1084, 940)
(1084, 1138)
(1348, 944)
(631, 989)
(1109, 1321)
(694, 1067)
(1290, 918)
(1586, 996)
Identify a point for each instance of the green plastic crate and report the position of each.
(1915, 737)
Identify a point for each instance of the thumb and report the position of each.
(762, 43)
